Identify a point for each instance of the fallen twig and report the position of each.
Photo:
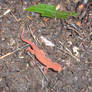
(67, 51)
(34, 37)
(42, 72)
(40, 68)
(15, 17)
(29, 18)
(10, 53)
(5, 13)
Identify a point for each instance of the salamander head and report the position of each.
(57, 67)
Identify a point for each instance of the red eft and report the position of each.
(41, 56)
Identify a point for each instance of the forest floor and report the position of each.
(71, 47)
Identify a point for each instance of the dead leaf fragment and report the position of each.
(29, 18)
(80, 7)
(45, 19)
(78, 23)
(47, 42)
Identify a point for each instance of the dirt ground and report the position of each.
(20, 71)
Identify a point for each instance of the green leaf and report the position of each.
(49, 11)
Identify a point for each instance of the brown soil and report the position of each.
(21, 72)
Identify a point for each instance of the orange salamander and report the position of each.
(41, 56)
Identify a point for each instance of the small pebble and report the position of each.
(75, 50)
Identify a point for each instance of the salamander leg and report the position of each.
(30, 50)
(45, 70)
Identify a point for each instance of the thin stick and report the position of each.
(42, 72)
(15, 17)
(39, 67)
(69, 52)
(55, 84)
(34, 37)
(74, 28)
(10, 53)
(5, 13)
